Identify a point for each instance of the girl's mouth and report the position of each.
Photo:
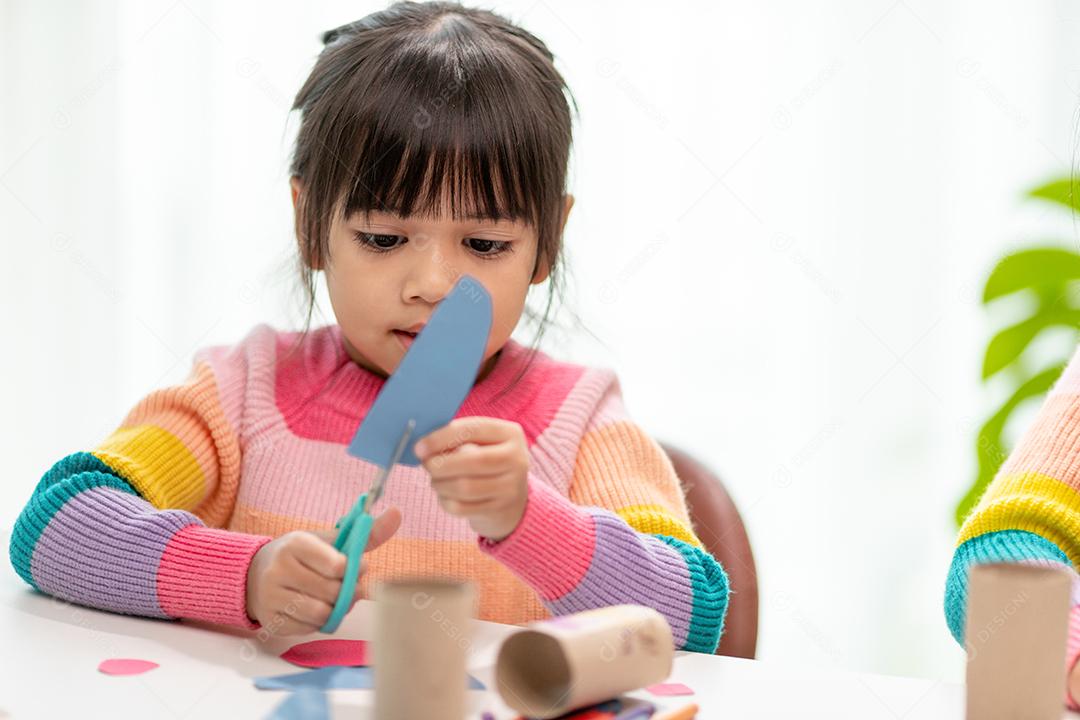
(405, 338)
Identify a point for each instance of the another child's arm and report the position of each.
(134, 526)
(1030, 513)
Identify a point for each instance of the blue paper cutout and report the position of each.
(433, 378)
(332, 677)
(304, 704)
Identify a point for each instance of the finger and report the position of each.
(384, 527)
(464, 508)
(312, 583)
(327, 536)
(480, 430)
(472, 459)
(283, 625)
(306, 609)
(318, 555)
(468, 489)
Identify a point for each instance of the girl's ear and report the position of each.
(543, 268)
(296, 185)
(569, 199)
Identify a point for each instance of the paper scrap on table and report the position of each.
(304, 704)
(125, 666)
(323, 653)
(332, 678)
(663, 689)
(602, 711)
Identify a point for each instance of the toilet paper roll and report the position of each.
(419, 647)
(1017, 622)
(572, 661)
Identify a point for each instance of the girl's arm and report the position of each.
(622, 536)
(1030, 513)
(134, 526)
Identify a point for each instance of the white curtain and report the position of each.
(785, 211)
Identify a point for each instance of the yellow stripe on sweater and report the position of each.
(655, 520)
(1033, 502)
(156, 464)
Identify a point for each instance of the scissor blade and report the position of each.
(380, 479)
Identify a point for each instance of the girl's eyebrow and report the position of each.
(386, 218)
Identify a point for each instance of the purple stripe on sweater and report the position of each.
(102, 549)
(632, 567)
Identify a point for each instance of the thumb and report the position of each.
(384, 527)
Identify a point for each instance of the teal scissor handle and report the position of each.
(354, 530)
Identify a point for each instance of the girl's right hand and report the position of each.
(294, 580)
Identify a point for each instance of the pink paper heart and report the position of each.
(125, 666)
(669, 689)
(323, 653)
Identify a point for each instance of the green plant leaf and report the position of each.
(1030, 269)
(1008, 344)
(1062, 191)
(989, 446)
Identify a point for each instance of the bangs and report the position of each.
(442, 127)
(447, 168)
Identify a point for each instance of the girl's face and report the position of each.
(386, 274)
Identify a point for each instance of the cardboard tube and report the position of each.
(419, 644)
(568, 662)
(1017, 621)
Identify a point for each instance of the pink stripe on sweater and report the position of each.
(319, 482)
(322, 394)
(203, 575)
(552, 547)
(553, 455)
(232, 367)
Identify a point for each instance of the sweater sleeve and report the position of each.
(622, 535)
(1030, 513)
(135, 526)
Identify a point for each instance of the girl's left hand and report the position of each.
(479, 468)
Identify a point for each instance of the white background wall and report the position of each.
(785, 212)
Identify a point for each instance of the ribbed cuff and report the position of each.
(552, 546)
(1072, 654)
(203, 575)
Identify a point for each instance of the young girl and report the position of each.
(434, 142)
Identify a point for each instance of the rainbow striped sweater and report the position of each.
(1030, 513)
(163, 518)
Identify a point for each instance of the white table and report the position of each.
(51, 651)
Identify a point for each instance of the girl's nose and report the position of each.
(430, 276)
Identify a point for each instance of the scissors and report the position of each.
(354, 529)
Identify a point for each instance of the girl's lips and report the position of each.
(404, 338)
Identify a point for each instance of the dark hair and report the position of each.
(423, 107)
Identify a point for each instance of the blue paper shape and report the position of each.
(433, 378)
(332, 677)
(304, 704)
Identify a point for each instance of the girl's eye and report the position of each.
(378, 242)
(488, 248)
